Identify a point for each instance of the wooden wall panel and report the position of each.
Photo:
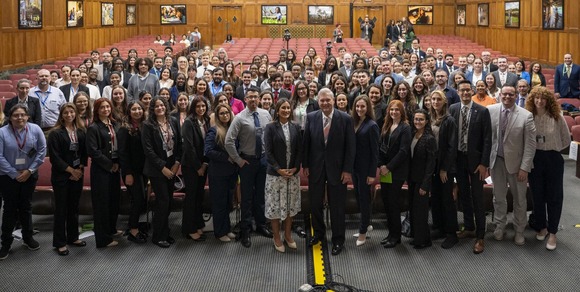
(529, 41)
(55, 41)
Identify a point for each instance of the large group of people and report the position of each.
(401, 116)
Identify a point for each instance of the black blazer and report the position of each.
(367, 149)
(275, 147)
(61, 156)
(239, 94)
(99, 147)
(282, 94)
(322, 78)
(338, 157)
(193, 143)
(447, 147)
(219, 159)
(395, 151)
(66, 91)
(478, 134)
(131, 155)
(33, 109)
(155, 156)
(423, 161)
(380, 113)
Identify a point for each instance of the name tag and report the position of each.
(259, 131)
(74, 147)
(76, 162)
(169, 153)
(20, 161)
(540, 139)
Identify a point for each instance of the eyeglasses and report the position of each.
(224, 113)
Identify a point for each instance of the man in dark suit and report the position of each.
(246, 84)
(329, 150)
(502, 76)
(567, 79)
(417, 50)
(31, 102)
(277, 90)
(448, 66)
(74, 86)
(488, 66)
(474, 147)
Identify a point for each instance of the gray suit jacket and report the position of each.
(519, 142)
(511, 79)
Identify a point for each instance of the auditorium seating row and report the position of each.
(43, 198)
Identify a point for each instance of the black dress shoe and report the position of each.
(246, 241)
(422, 245)
(450, 241)
(392, 243)
(384, 240)
(170, 240)
(299, 231)
(163, 244)
(136, 238)
(313, 241)
(264, 231)
(337, 249)
(62, 252)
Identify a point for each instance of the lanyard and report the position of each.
(21, 145)
(43, 101)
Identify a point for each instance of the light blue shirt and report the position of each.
(50, 103)
(12, 158)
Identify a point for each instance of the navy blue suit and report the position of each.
(326, 165)
(567, 86)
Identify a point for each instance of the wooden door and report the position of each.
(375, 14)
(226, 20)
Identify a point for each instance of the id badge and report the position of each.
(169, 153)
(259, 131)
(74, 147)
(20, 161)
(76, 162)
(114, 155)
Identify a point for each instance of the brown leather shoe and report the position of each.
(478, 247)
(466, 234)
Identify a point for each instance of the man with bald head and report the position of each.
(567, 79)
(51, 99)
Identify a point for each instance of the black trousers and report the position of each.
(392, 196)
(17, 206)
(67, 194)
(253, 184)
(443, 207)
(363, 195)
(336, 204)
(138, 197)
(163, 189)
(419, 212)
(220, 189)
(470, 196)
(192, 218)
(105, 194)
(547, 185)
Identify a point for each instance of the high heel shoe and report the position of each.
(292, 244)
(369, 229)
(361, 242)
(281, 248)
(62, 252)
(225, 238)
